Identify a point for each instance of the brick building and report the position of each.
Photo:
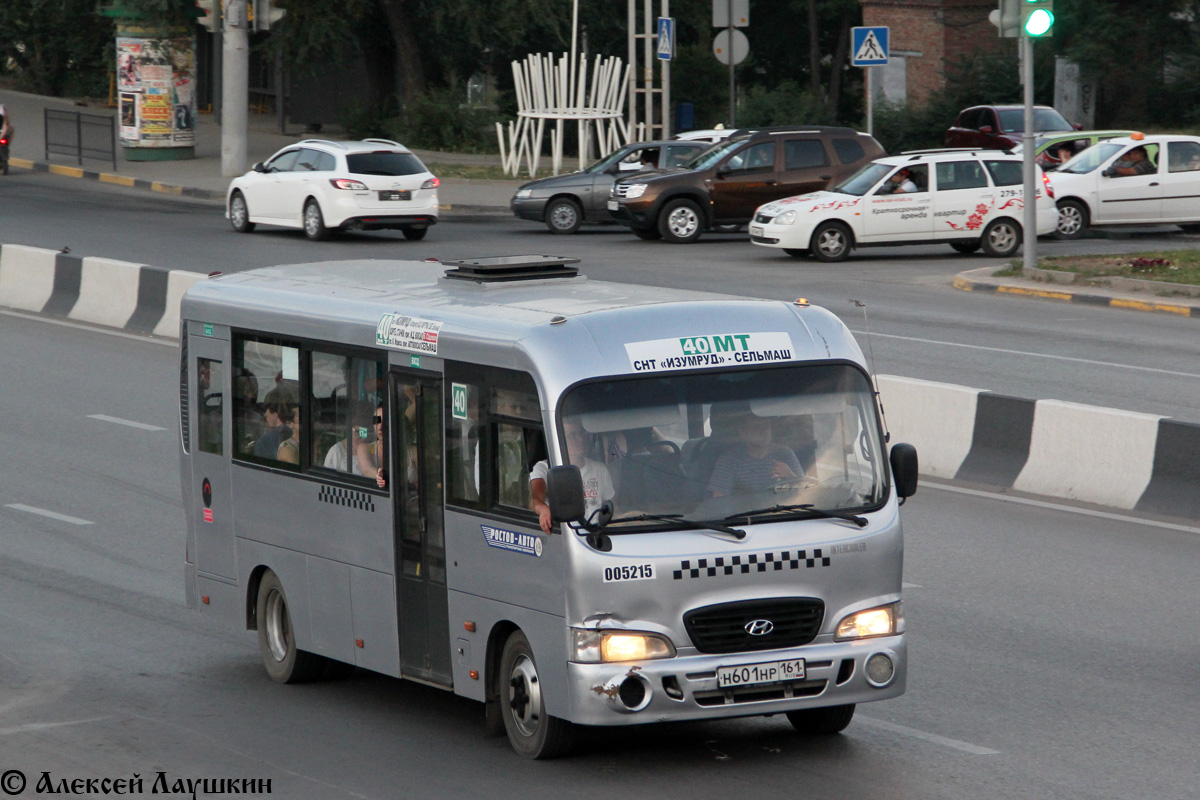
(926, 36)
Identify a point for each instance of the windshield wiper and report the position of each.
(687, 524)
(813, 513)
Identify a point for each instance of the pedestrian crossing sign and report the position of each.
(869, 46)
(666, 38)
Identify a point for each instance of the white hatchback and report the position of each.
(1108, 184)
(969, 199)
(319, 185)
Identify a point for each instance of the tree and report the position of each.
(57, 47)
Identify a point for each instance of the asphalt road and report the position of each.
(920, 326)
(1052, 649)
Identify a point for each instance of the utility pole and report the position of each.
(1028, 144)
(235, 88)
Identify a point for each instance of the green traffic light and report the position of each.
(1039, 22)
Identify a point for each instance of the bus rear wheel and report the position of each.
(821, 721)
(531, 731)
(276, 642)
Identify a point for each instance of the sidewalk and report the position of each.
(201, 176)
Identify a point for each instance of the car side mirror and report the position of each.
(259, 167)
(724, 170)
(1111, 172)
(987, 129)
(564, 494)
(904, 468)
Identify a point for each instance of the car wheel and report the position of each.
(314, 223)
(563, 215)
(414, 234)
(1072, 219)
(794, 253)
(966, 248)
(830, 242)
(648, 234)
(821, 721)
(531, 731)
(239, 214)
(284, 663)
(1001, 238)
(681, 221)
(1190, 228)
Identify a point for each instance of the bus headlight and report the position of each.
(595, 647)
(881, 621)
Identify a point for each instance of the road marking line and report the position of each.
(911, 586)
(41, 726)
(130, 423)
(1059, 507)
(41, 512)
(933, 738)
(1027, 353)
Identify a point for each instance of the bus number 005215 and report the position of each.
(629, 572)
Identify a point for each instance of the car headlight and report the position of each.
(523, 193)
(786, 218)
(881, 621)
(595, 647)
(635, 190)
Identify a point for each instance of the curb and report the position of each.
(1114, 458)
(118, 180)
(971, 281)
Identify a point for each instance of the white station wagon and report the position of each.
(319, 186)
(969, 199)
(1109, 184)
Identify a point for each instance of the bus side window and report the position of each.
(520, 443)
(209, 400)
(463, 445)
(342, 401)
(268, 426)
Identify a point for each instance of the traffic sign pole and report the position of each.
(1028, 142)
(732, 112)
(870, 47)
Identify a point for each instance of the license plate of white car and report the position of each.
(613, 205)
(766, 672)
(392, 194)
(755, 230)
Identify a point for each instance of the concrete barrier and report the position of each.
(1097, 455)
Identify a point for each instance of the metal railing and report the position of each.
(73, 133)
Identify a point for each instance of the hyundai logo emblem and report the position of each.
(759, 627)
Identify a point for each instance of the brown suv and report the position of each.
(727, 182)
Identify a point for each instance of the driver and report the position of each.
(597, 482)
(757, 464)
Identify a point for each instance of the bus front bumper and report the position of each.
(686, 687)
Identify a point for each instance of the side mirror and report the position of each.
(1111, 172)
(724, 170)
(987, 129)
(259, 167)
(1078, 126)
(904, 468)
(564, 494)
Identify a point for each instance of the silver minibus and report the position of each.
(580, 503)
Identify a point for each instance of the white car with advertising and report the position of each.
(320, 186)
(1136, 180)
(969, 199)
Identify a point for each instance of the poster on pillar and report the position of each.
(156, 79)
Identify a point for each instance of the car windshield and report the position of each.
(713, 154)
(1044, 119)
(1091, 158)
(610, 159)
(384, 162)
(705, 447)
(861, 182)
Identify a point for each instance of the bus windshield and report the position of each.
(715, 445)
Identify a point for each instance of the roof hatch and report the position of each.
(500, 269)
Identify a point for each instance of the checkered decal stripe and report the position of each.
(347, 497)
(755, 562)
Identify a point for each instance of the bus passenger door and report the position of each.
(208, 412)
(420, 542)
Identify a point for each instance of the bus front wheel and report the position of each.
(276, 642)
(531, 731)
(821, 721)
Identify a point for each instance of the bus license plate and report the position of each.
(393, 194)
(613, 205)
(768, 672)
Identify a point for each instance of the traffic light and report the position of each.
(265, 14)
(1007, 18)
(206, 15)
(1037, 18)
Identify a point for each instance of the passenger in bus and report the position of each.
(369, 453)
(360, 424)
(278, 407)
(597, 483)
(289, 446)
(757, 464)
